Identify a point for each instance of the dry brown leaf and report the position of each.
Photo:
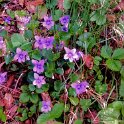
(88, 61)
(31, 5)
(1, 64)
(120, 6)
(45, 96)
(111, 17)
(21, 2)
(10, 81)
(13, 110)
(60, 4)
(8, 100)
(2, 102)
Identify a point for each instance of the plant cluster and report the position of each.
(65, 59)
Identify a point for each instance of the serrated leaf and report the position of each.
(101, 20)
(57, 110)
(73, 78)
(93, 1)
(34, 98)
(24, 97)
(60, 71)
(66, 4)
(109, 115)
(36, 55)
(55, 113)
(31, 87)
(118, 54)
(114, 65)
(78, 121)
(106, 52)
(43, 118)
(74, 100)
(58, 85)
(17, 40)
(85, 104)
(121, 89)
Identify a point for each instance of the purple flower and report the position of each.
(39, 42)
(49, 42)
(38, 66)
(64, 20)
(70, 54)
(80, 87)
(21, 56)
(7, 19)
(48, 22)
(25, 20)
(39, 80)
(60, 46)
(46, 106)
(80, 54)
(1, 42)
(3, 77)
(64, 28)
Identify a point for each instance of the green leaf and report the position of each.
(3, 33)
(97, 60)
(44, 118)
(57, 15)
(114, 65)
(93, 1)
(33, 25)
(24, 88)
(30, 77)
(20, 13)
(17, 40)
(67, 4)
(74, 77)
(116, 105)
(33, 109)
(45, 87)
(50, 67)
(51, 4)
(121, 88)
(31, 87)
(106, 52)
(39, 90)
(58, 85)
(101, 20)
(55, 113)
(34, 98)
(109, 115)
(122, 109)
(118, 54)
(71, 65)
(72, 92)
(36, 54)
(85, 104)
(24, 115)
(122, 72)
(28, 34)
(57, 110)
(42, 11)
(27, 46)
(60, 71)
(8, 59)
(24, 97)
(74, 101)
(78, 122)
(98, 16)
(9, 46)
(2, 115)
(100, 88)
